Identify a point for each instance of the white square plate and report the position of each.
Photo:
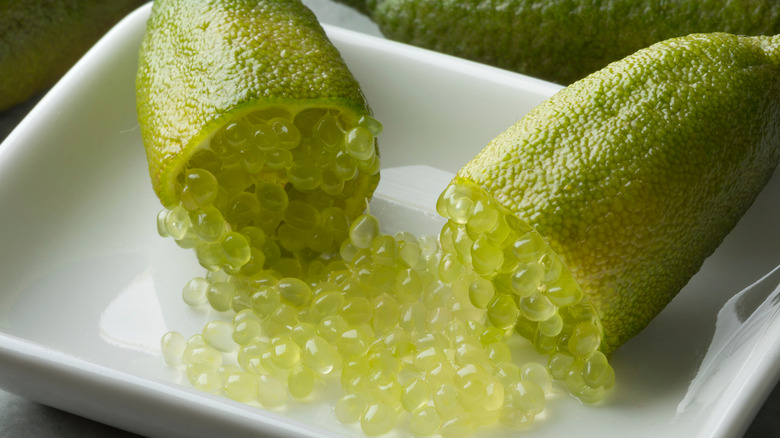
(88, 286)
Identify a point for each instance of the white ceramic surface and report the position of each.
(88, 286)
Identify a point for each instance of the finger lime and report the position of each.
(41, 39)
(251, 119)
(559, 40)
(633, 176)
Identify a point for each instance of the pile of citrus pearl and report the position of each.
(523, 285)
(271, 183)
(415, 333)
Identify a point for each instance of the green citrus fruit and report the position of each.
(636, 173)
(41, 39)
(259, 140)
(560, 40)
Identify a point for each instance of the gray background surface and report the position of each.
(20, 417)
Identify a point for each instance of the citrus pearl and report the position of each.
(363, 231)
(359, 143)
(378, 419)
(172, 347)
(285, 130)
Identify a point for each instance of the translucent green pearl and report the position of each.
(242, 209)
(206, 381)
(494, 391)
(265, 300)
(350, 408)
(285, 353)
(597, 370)
(247, 330)
(331, 328)
(301, 381)
(527, 279)
(271, 391)
(278, 159)
(236, 249)
(219, 334)
(319, 355)
(458, 426)
(304, 175)
(344, 166)
(294, 291)
(219, 295)
(177, 222)
(194, 292)
(264, 137)
(527, 396)
(378, 419)
(249, 355)
(363, 231)
(326, 304)
(483, 218)
(536, 373)
(551, 326)
(370, 166)
(536, 307)
(386, 388)
(200, 188)
(172, 347)
(354, 342)
(285, 130)
(208, 224)
(250, 157)
(450, 268)
(272, 197)
(383, 250)
(585, 339)
(559, 364)
(331, 183)
(486, 258)
(481, 292)
(564, 292)
(205, 159)
(359, 143)
(425, 421)
(445, 399)
(357, 310)
(502, 311)
(408, 285)
(241, 386)
(301, 216)
(529, 247)
(506, 373)
(328, 131)
(371, 124)
(386, 313)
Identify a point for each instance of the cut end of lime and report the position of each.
(278, 182)
(523, 285)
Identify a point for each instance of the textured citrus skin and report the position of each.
(636, 173)
(560, 40)
(41, 39)
(203, 62)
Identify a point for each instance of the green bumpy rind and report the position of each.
(40, 40)
(204, 61)
(636, 173)
(560, 40)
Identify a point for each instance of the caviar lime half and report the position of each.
(635, 174)
(260, 143)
